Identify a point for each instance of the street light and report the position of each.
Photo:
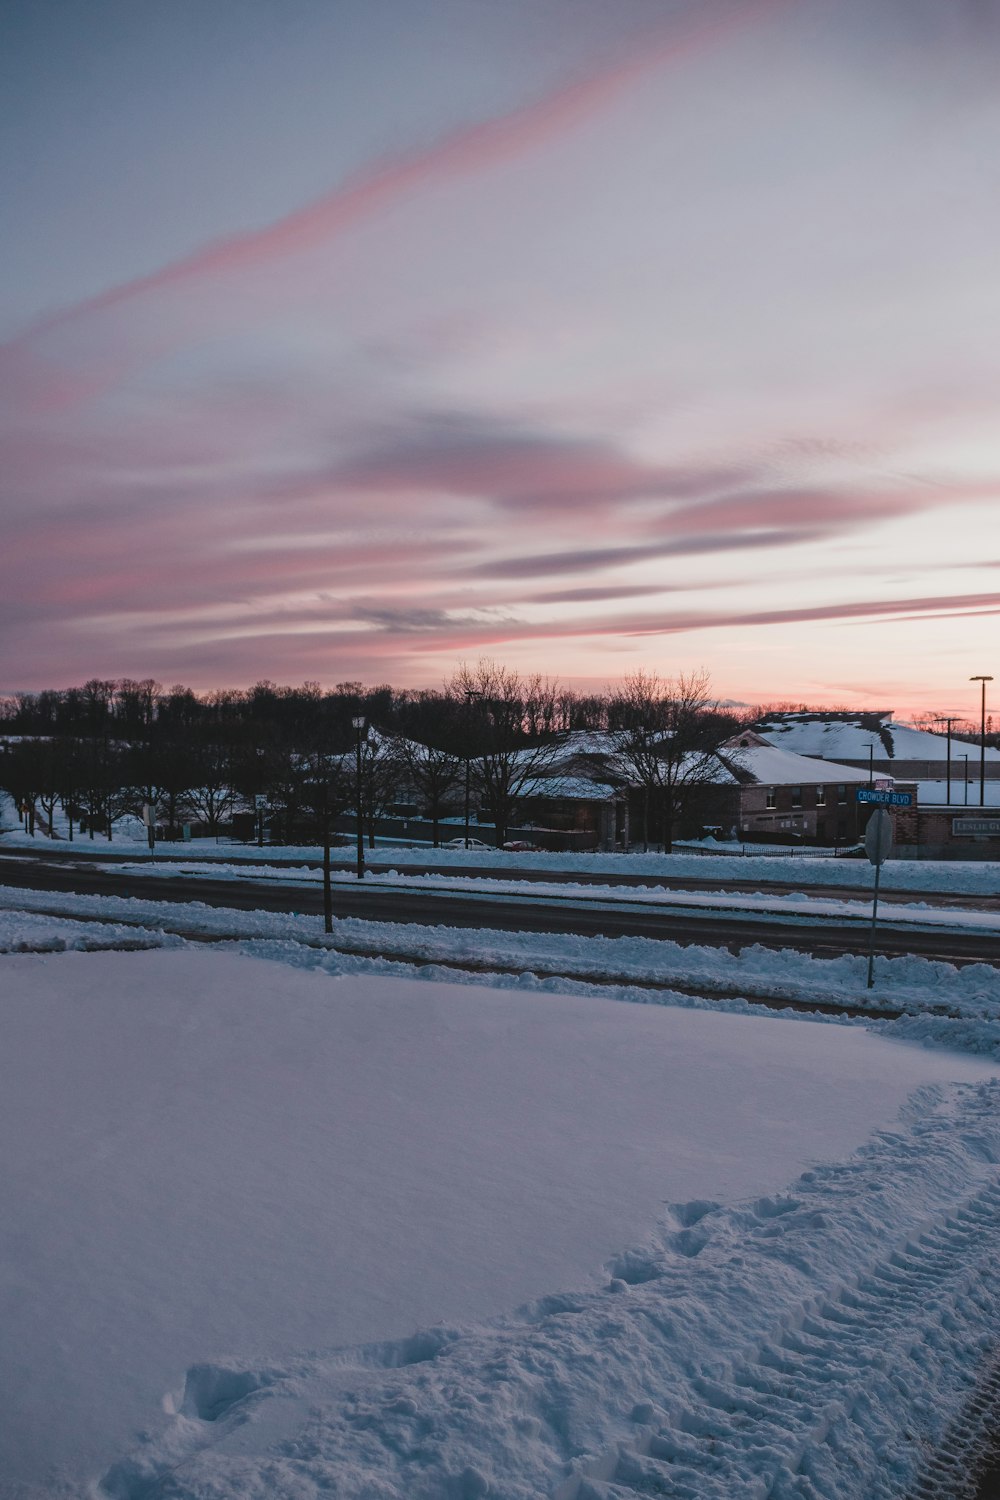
(471, 696)
(323, 788)
(360, 733)
(871, 763)
(948, 720)
(982, 738)
(966, 778)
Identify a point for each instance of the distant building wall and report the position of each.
(956, 832)
(824, 813)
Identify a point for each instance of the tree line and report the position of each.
(489, 734)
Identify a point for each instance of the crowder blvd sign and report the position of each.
(884, 799)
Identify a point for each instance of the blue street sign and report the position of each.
(884, 799)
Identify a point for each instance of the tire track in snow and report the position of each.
(800, 1404)
(817, 1343)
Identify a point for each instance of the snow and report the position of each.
(805, 866)
(513, 1228)
(535, 961)
(568, 788)
(771, 765)
(759, 906)
(935, 793)
(834, 738)
(29, 932)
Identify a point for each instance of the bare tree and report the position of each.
(433, 758)
(21, 776)
(665, 732)
(505, 724)
(382, 764)
(212, 796)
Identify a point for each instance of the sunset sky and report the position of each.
(351, 339)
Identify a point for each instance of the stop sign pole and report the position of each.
(878, 842)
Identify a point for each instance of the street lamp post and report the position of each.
(948, 721)
(982, 737)
(324, 800)
(471, 696)
(871, 764)
(359, 731)
(966, 777)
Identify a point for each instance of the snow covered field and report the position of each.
(270, 1232)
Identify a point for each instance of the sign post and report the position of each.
(878, 842)
(149, 818)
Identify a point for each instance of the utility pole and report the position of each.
(471, 696)
(948, 720)
(982, 738)
(359, 727)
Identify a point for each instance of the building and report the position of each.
(788, 798)
(878, 741)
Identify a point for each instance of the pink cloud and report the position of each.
(466, 151)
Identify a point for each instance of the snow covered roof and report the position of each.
(568, 788)
(577, 745)
(849, 736)
(771, 766)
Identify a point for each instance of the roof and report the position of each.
(848, 736)
(770, 766)
(568, 789)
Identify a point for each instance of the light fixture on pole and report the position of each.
(948, 720)
(359, 732)
(982, 737)
(871, 763)
(471, 697)
(323, 800)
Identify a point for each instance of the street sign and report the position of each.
(878, 836)
(260, 801)
(883, 799)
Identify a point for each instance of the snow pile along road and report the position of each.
(804, 868)
(962, 1006)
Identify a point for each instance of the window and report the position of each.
(821, 796)
(772, 797)
(796, 796)
(841, 791)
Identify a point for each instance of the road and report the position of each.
(109, 853)
(524, 912)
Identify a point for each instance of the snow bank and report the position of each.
(213, 1163)
(920, 985)
(761, 905)
(805, 867)
(28, 932)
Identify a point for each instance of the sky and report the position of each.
(355, 339)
